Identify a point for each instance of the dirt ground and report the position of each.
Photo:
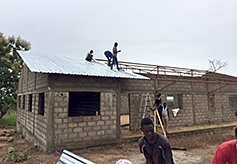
(200, 150)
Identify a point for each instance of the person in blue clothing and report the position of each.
(158, 106)
(109, 56)
(115, 52)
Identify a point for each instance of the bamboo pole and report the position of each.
(161, 123)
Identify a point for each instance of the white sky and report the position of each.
(179, 33)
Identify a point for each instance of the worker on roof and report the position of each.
(109, 56)
(115, 52)
(89, 56)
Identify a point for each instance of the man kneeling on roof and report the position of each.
(89, 56)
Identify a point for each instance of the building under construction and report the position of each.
(69, 103)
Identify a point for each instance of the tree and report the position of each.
(10, 70)
(216, 65)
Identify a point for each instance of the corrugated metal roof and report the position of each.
(72, 65)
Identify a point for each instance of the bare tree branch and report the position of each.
(216, 65)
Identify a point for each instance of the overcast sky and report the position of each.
(179, 33)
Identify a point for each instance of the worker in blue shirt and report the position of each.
(109, 56)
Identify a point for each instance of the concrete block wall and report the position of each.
(29, 116)
(135, 99)
(30, 81)
(82, 131)
(24, 77)
(71, 83)
(213, 87)
(229, 89)
(225, 88)
(229, 107)
(196, 107)
(32, 125)
(215, 110)
(200, 105)
(185, 115)
(175, 87)
(135, 85)
(41, 123)
(198, 87)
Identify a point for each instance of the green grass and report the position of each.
(9, 119)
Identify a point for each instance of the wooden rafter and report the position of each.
(218, 89)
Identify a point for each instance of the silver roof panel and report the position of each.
(73, 66)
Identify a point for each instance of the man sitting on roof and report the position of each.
(89, 56)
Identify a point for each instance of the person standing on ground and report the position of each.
(115, 52)
(89, 56)
(226, 153)
(109, 56)
(158, 105)
(165, 116)
(154, 146)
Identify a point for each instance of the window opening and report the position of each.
(180, 101)
(84, 104)
(24, 98)
(41, 104)
(170, 100)
(19, 101)
(212, 101)
(30, 103)
(233, 102)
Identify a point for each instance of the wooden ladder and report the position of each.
(145, 107)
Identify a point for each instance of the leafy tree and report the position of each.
(10, 70)
(216, 65)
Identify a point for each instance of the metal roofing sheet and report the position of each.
(72, 65)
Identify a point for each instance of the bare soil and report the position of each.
(200, 150)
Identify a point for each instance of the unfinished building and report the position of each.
(68, 103)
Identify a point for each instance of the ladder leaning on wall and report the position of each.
(145, 108)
